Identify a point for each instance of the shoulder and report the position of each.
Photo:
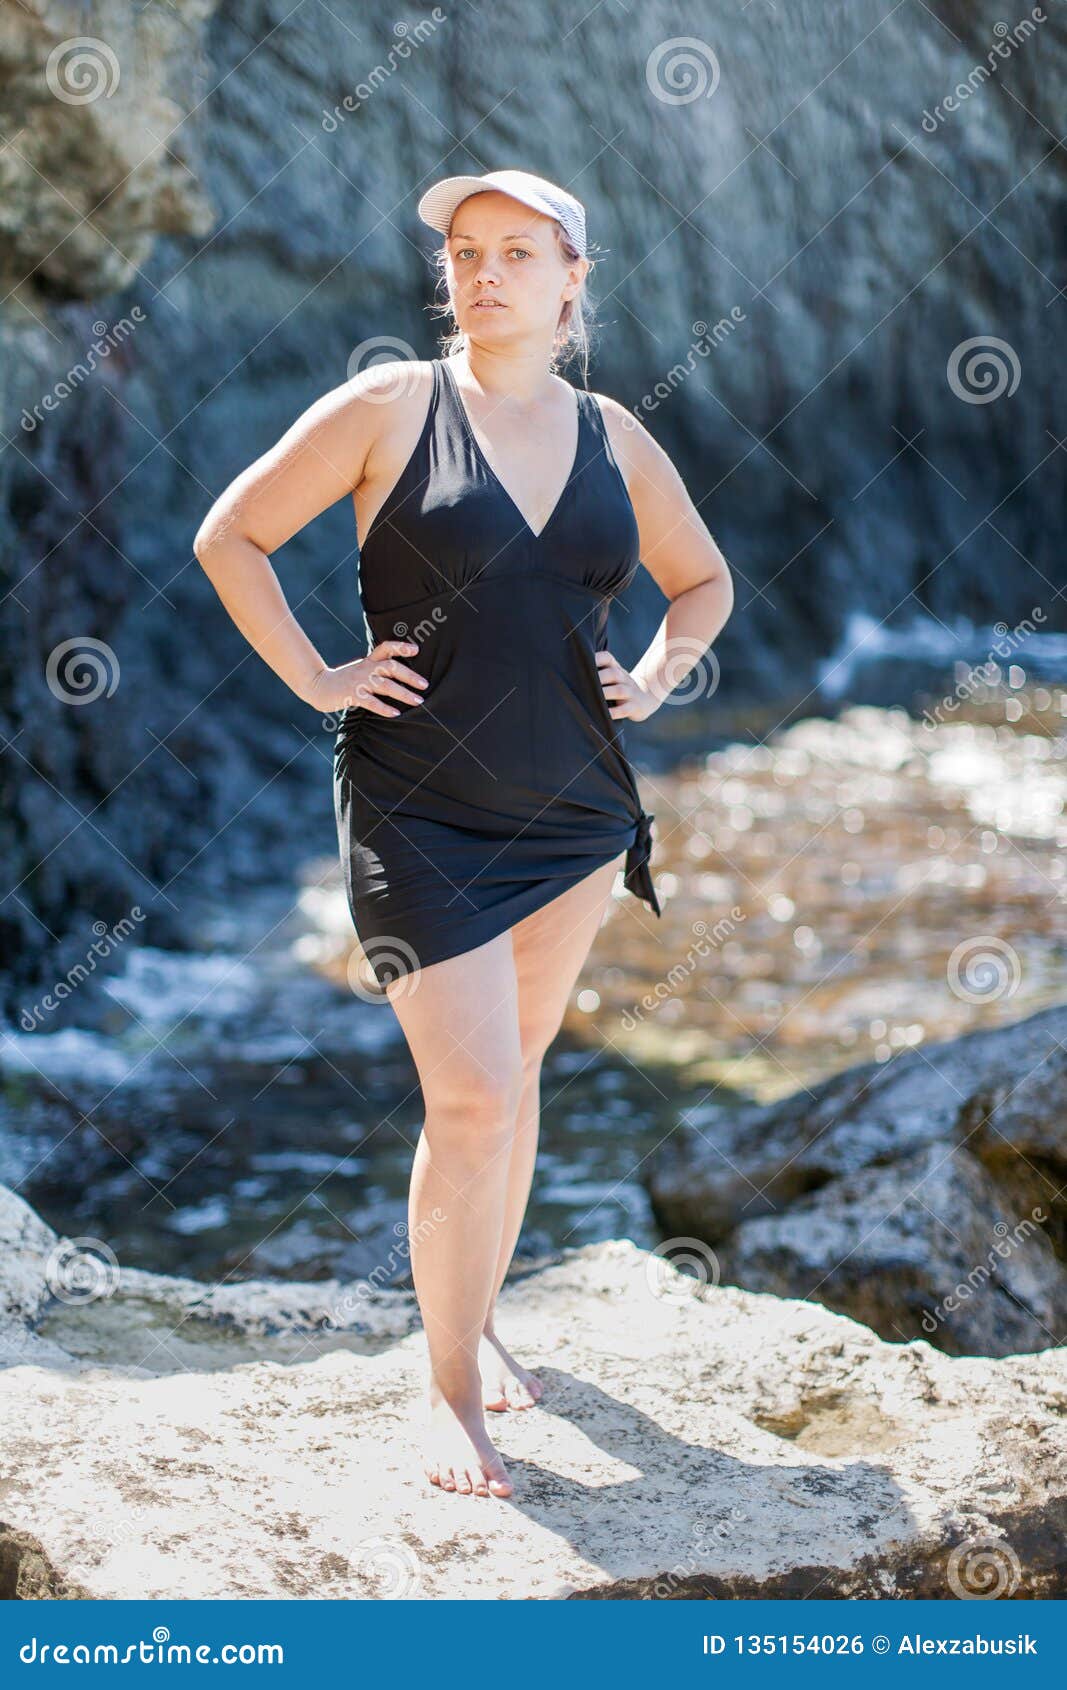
(380, 394)
(375, 412)
(638, 454)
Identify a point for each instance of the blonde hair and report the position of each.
(575, 331)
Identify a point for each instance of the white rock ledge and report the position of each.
(178, 1440)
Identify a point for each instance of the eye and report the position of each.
(464, 251)
(524, 249)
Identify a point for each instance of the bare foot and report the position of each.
(459, 1453)
(505, 1384)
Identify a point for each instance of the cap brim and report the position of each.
(438, 203)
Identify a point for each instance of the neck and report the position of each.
(522, 375)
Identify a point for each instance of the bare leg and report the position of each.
(550, 947)
(460, 1018)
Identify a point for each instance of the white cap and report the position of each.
(439, 202)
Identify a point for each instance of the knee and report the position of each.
(478, 1108)
(535, 1039)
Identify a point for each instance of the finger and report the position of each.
(400, 672)
(395, 648)
(376, 706)
(387, 688)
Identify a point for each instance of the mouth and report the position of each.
(488, 305)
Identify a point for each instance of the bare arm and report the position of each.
(320, 459)
(684, 561)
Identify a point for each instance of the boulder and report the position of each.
(168, 1439)
(924, 1196)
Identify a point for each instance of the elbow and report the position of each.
(208, 544)
(202, 544)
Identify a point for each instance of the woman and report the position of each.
(483, 797)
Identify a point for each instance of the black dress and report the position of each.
(509, 782)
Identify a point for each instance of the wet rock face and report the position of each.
(217, 184)
(924, 1196)
(165, 1437)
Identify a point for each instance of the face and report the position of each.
(501, 251)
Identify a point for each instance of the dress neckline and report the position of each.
(534, 534)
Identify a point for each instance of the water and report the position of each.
(857, 885)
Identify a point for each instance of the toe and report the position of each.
(448, 1479)
(497, 1478)
(463, 1483)
(496, 1399)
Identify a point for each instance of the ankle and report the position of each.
(458, 1386)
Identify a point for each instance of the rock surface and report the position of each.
(818, 430)
(168, 1439)
(925, 1196)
